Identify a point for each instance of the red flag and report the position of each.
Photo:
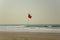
(29, 16)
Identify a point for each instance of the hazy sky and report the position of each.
(42, 11)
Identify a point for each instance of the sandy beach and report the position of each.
(29, 36)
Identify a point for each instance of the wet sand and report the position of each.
(29, 36)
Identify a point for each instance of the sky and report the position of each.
(42, 11)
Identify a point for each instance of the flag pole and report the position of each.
(28, 21)
(28, 18)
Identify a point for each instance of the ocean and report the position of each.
(49, 28)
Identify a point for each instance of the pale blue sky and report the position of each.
(42, 11)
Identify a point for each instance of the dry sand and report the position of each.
(29, 36)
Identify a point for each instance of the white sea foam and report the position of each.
(29, 29)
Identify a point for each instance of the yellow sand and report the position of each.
(29, 36)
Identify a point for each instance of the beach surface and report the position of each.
(29, 33)
(29, 36)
